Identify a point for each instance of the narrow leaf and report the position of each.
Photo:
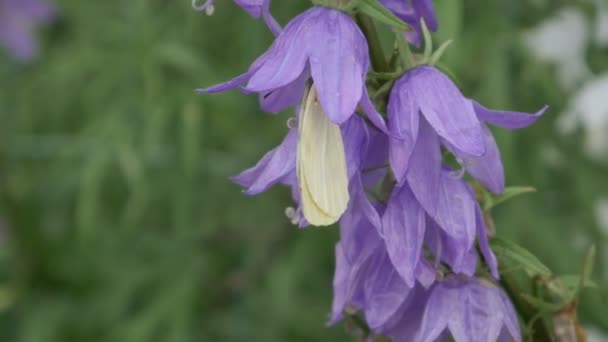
(514, 256)
(509, 193)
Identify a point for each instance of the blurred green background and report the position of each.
(120, 221)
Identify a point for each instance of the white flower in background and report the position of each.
(588, 108)
(562, 40)
(595, 335)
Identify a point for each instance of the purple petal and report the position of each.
(480, 318)
(510, 316)
(425, 9)
(340, 285)
(441, 304)
(484, 245)
(372, 114)
(274, 167)
(339, 61)
(375, 160)
(253, 7)
(446, 109)
(360, 223)
(286, 59)
(228, 85)
(404, 324)
(425, 168)
(506, 119)
(456, 209)
(356, 137)
(487, 169)
(384, 290)
(282, 98)
(461, 258)
(403, 225)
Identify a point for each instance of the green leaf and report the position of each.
(540, 304)
(514, 256)
(377, 11)
(510, 192)
(567, 287)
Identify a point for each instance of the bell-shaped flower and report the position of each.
(19, 20)
(426, 110)
(412, 12)
(365, 278)
(255, 8)
(467, 309)
(325, 44)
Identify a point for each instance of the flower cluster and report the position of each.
(18, 22)
(415, 260)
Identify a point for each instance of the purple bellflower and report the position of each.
(412, 12)
(19, 20)
(324, 44)
(426, 110)
(463, 308)
(255, 8)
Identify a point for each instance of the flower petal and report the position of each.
(228, 85)
(426, 10)
(487, 169)
(356, 137)
(340, 285)
(274, 167)
(456, 209)
(403, 225)
(339, 61)
(484, 245)
(372, 114)
(446, 109)
(286, 59)
(506, 119)
(425, 168)
(442, 303)
(282, 98)
(385, 291)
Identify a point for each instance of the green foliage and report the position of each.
(124, 226)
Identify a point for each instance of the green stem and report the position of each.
(375, 47)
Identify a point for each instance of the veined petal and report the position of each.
(385, 291)
(446, 109)
(275, 166)
(425, 168)
(339, 61)
(404, 122)
(403, 226)
(506, 119)
(480, 318)
(439, 307)
(286, 59)
(456, 209)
